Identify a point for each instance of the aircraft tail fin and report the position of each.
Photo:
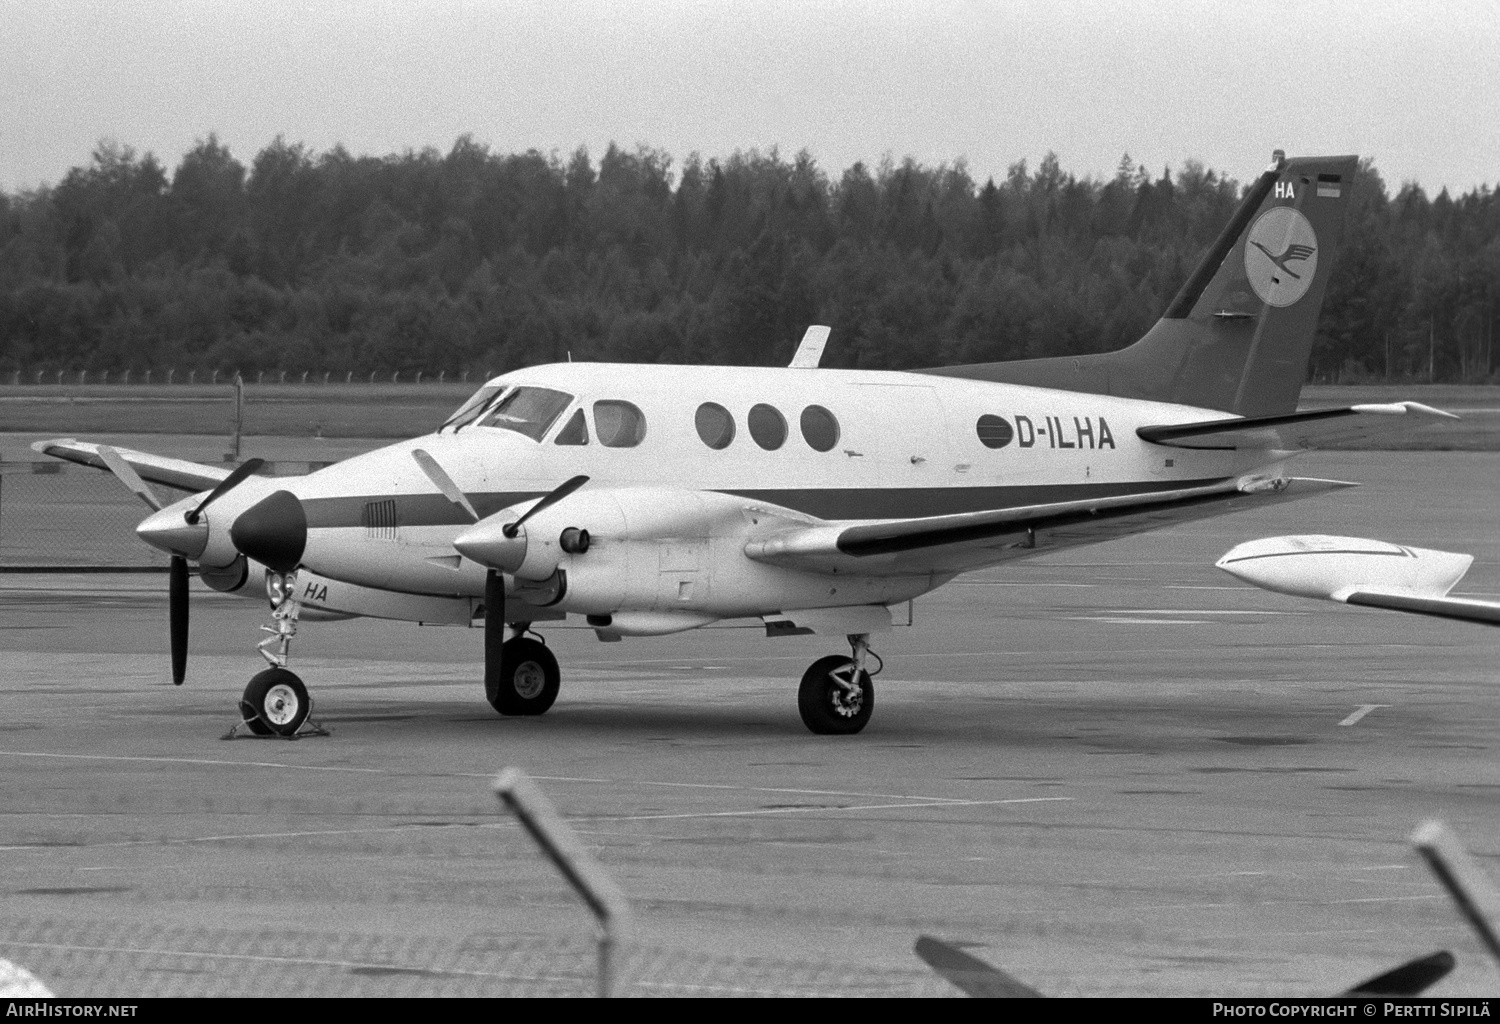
(1238, 335)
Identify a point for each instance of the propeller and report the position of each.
(177, 616)
(562, 490)
(126, 474)
(175, 537)
(444, 482)
(494, 631)
(245, 469)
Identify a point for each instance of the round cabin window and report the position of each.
(819, 428)
(994, 431)
(767, 427)
(715, 425)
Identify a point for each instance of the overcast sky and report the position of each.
(1413, 84)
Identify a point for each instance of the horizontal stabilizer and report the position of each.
(1312, 429)
(939, 543)
(1355, 570)
(157, 469)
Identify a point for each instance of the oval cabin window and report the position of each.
(767, 427)
(994, 431)
(819, 428)
(715, 425)
(618, 424)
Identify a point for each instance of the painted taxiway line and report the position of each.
(235, 836)
(730, 787)
(724, 787)
(1121, 620)
(1360, 712)
(195, 760)
(762, 811)
(300, 960)
(490, 775)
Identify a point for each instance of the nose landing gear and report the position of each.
(836, 696)
(276, 703)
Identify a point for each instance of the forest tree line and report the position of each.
(478, 261)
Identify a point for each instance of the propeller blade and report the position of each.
(444, 482)
(245, 469)
(1410, 979)
(969, 973)
(126, 474)
(564, 489)
(494, 630)
(177, 616)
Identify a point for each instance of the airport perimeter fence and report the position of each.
(56, 517)
(85, 959)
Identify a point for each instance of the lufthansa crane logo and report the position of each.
(1281, 256)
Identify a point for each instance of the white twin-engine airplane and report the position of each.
(654, 499)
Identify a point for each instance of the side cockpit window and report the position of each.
(527, 410)
(619, 424)
(473, 408)
(575, 431)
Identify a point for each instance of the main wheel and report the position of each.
(827, 707)
(529, 678)
(275, 703)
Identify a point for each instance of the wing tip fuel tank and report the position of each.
(1332, 568)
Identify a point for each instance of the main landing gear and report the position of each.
(276, 703)
(529, 677)
(837, 696)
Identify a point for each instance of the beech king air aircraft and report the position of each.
(654, 499)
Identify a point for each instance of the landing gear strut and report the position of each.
(836, 696)
(276, 703)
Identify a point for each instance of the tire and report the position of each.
(529, 678)
(275, 703)
(827, 709)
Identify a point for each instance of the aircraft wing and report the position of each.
(157, 469)
(1354, 570)
(1312, 429)
(959, 543)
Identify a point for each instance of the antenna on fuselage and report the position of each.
(810, 351)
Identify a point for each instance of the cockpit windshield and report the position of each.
(528, 411)
(470, 410)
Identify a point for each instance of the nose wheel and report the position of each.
(837, 696)
(276, 702)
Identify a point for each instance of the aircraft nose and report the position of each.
(169, 531)
(488, 545)
(273, 531)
